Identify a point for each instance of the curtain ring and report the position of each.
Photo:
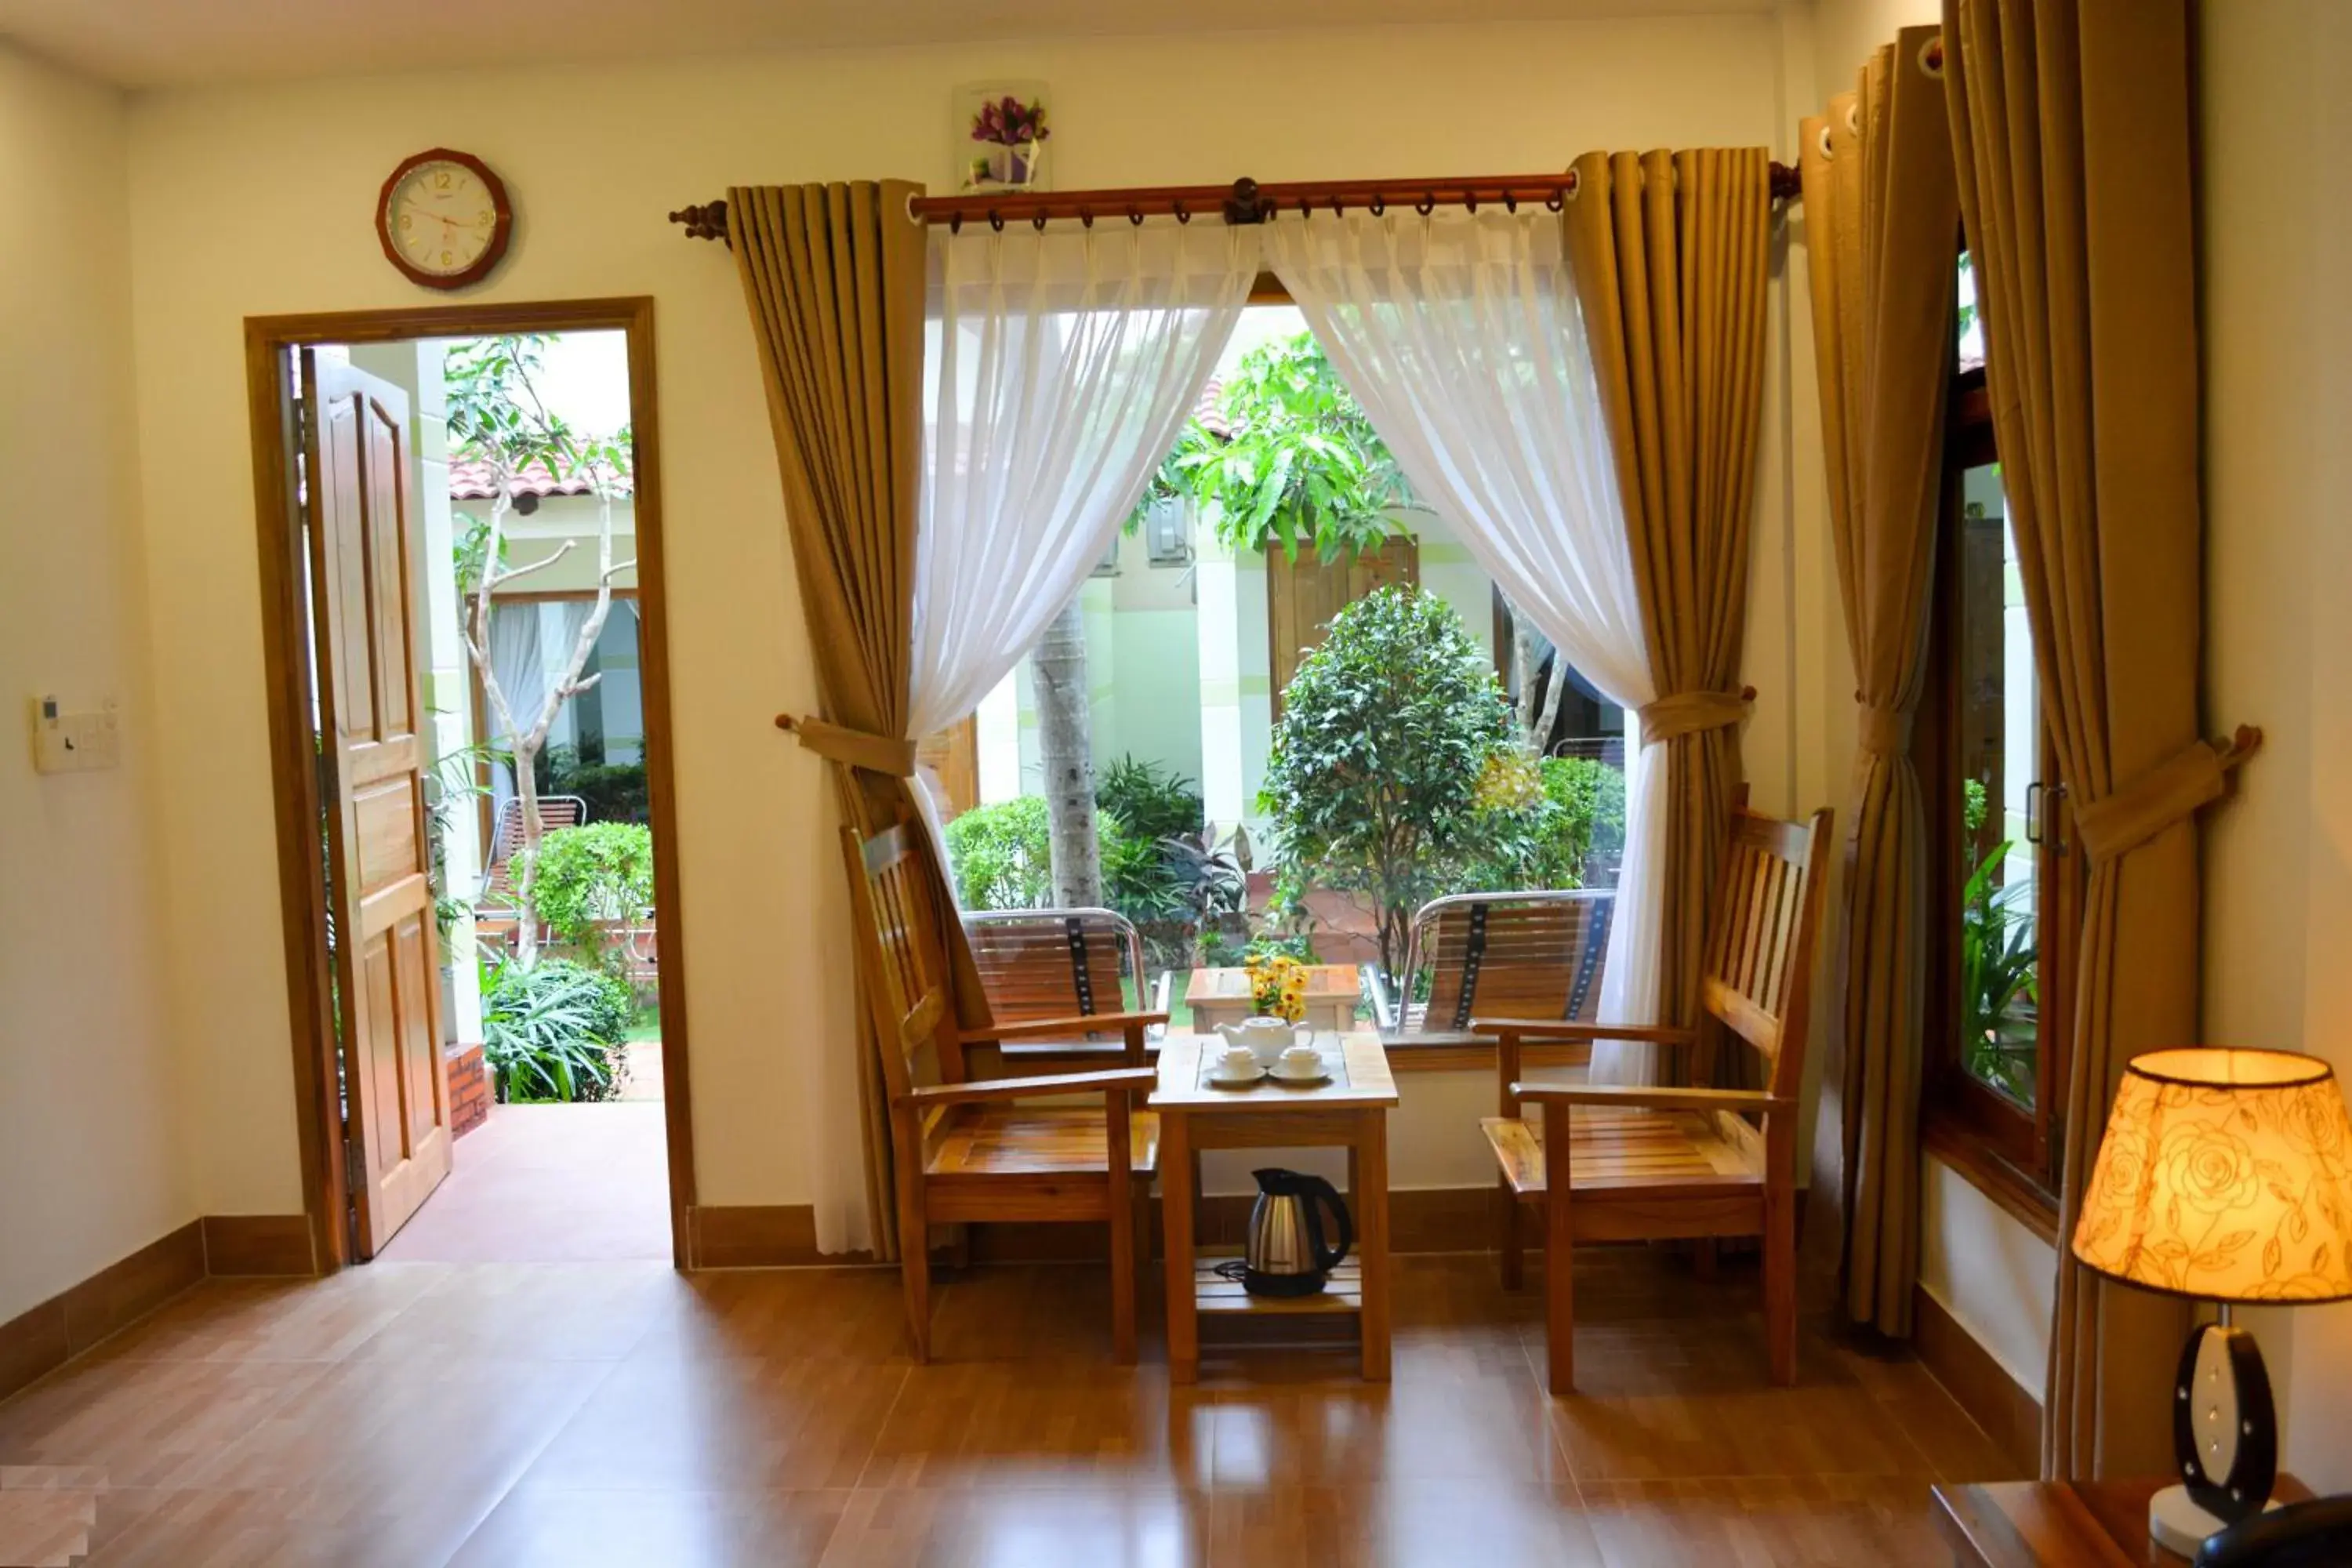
(1339, 209)
(1182, 215)
(1426, 206)
(1510, 202)
(955, 223)
(1039, 220)
(996, 220)
(1087, 218)
(1469, 201)
(1135, 218)
(1380, 206)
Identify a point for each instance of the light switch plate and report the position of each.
(74, 743)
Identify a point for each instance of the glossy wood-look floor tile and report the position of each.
(639, 1528)
(590, 1414)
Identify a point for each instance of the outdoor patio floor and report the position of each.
(549, 1183)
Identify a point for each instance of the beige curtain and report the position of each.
(1881, 215)
(2070, 121)
(1669, 255)
(834, 275)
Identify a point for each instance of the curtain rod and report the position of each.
(1244, 202)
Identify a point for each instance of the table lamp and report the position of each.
(2223, 1175)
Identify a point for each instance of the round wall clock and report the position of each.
(444, 218)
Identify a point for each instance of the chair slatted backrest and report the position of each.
(1513, 955)
(554, 811)
(1758, 978)
(1054, 963)
(901, 959)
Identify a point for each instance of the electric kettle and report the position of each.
(1287, 1255)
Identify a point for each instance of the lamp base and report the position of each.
(2178, 1523)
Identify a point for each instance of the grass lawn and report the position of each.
(646, 1025)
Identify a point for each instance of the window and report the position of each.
(2004, 880)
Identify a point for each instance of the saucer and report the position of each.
(1303, 1079)
(1219, 1078)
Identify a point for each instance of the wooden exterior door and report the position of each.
(1302, 596)
(372, 760)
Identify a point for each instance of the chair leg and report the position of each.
(914, 1263)
(1122, 1236)
(1509, 1242)
(1780, 1284)
(1559, 1255)
(1703, 1253)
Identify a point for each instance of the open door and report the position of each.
(372, 761)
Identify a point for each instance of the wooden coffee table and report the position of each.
(1351, 1112)
(1223, 997)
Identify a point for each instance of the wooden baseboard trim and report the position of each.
(783, 1235)
(237, 1244)
(1978, 1384)
(38, 1341)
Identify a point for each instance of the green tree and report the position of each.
(496, 415)
(1297, 463)
(1386, 731)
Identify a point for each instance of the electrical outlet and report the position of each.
(74, 743)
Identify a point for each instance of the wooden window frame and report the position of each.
(2010, 1152)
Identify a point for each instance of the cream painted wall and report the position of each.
(91, 1159)
(591, 189)
(2276, 331)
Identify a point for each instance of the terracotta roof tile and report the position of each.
(472, 480)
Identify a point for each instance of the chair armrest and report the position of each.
(1050, 1028)
(1653, 1096)
(1556, 1029)
(1025, 1088)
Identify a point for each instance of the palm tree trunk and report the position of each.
(1066, 740)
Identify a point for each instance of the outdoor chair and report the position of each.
(1060, 964)
(498, 877)
(1524, 954)
(1635, 1161)
(966, 1150)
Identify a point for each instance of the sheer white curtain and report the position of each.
(528, 645)
(1058, 366)
(1459, 333)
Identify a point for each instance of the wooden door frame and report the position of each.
(269, 341)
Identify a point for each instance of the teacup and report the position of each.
(1300, 1060)
(1238, 1062)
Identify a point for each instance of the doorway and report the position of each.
(460, 543)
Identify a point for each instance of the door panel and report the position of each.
(1302, 596)
(378, 855)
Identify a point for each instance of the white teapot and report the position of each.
(1266, 1038)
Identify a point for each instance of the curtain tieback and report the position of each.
(1886, 731)
(859, 748)
(1688, 712)
(2164, 794)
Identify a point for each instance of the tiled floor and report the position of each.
(590, 1414)
(549, 1183)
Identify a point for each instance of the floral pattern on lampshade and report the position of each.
(2224, 1175)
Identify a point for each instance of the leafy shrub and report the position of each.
(599, 872)
(1998, 961)
(615, 791)
(1002, 854)
(1150, 801)
(554, 1032)
(1573, 831)
(1386, 731)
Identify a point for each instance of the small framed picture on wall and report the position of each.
(1003, 133)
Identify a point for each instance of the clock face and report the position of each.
(444, 219)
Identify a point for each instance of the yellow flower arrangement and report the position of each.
(1278, 987)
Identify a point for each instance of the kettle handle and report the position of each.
(1320, 1190)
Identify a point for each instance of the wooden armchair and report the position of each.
(1060, 964)
(1630, 1161)
(966, 1149)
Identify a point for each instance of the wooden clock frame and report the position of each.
(501, 231)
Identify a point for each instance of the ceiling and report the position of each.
(156, 43)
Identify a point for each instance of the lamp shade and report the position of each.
(2224, 1175)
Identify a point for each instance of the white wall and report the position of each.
(91, 1164)
(591, 189)
(2276, 330)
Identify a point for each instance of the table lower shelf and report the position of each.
(1212, 1292)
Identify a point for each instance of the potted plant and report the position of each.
(1013, 135)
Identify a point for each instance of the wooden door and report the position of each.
(1302, 596)
(953, 756)
(373, 757)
